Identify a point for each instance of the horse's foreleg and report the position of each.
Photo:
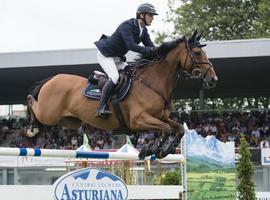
(179, 129)
(148, 122)
(170, 147)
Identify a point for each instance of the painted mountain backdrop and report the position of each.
(210, 167)
(209, 149)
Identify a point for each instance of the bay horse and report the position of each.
(147, 106)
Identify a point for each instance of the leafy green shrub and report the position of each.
(171, 178)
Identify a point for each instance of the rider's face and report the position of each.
(149, 18)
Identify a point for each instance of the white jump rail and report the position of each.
(6, 151)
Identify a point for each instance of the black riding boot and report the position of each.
(105, 95)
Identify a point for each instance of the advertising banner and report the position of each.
(210, 168)
(90, 183)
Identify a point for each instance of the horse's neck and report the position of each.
(161, 76)
(168, 68)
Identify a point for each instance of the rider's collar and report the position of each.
(141, 28)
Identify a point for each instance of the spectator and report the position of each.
(264, 143)
(255, 132)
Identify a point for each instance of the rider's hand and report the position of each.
(154, 51)
(151, 53)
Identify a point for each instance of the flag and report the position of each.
(128, 140)
(85, 141)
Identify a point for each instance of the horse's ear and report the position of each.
(199, 36)
(193, 35)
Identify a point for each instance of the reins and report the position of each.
(166, 100)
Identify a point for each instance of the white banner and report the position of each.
(262, 195)
(265, 156)
(12, 161)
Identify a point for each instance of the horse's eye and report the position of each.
(198, 53)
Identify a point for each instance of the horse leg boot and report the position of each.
(107, 90)
(152, 148)
(147, 122)
(157, 146)
(170, 148)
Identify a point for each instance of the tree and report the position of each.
(221, 20)
(168, 178)
(264, 24)
(172, 178)
(245, 171)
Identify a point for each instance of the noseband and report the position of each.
(195, 72)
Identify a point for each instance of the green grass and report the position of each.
(213, 185)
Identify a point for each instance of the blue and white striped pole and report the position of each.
(6, 151)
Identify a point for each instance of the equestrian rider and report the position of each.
(112, 49)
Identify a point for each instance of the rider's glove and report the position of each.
(151, 53)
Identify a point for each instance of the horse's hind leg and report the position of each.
(33, 129)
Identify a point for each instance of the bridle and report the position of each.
(188, 74)
(194, 72)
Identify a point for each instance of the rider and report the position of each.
(112, 49)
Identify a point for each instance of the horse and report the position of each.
(59, 99)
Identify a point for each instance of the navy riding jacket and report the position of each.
(125, 38)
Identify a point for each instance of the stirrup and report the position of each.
(103, 113)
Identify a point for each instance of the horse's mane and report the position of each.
(161, 52)
(166, 47)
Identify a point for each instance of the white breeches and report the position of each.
(111, 65)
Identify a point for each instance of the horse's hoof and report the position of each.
(31, 132)
(164, 152)
(142, 154)
(29, 99)
(167, 148)
(145, 151)
(161, 154)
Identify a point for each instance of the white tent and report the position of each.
(84, 148)
(127, 148)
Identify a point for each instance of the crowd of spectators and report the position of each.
(12, 133)
(225, 126)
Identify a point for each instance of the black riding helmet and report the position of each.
(145, 8)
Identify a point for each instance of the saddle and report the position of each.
(97, 80)
(93, 90)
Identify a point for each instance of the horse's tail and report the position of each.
(36, 88)
(34, 91)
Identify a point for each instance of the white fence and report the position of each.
(45, 192)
